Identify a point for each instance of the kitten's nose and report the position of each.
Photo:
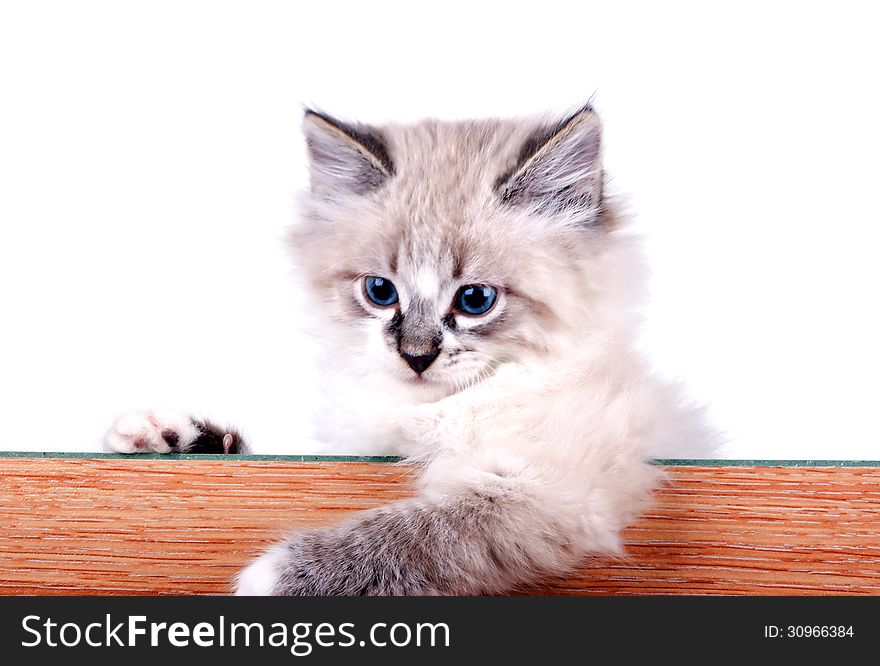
(420, 363)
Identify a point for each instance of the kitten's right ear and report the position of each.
(343, 157)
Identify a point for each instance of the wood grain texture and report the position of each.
(109, 526)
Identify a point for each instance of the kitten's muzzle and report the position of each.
(420, 362)
(418, 338)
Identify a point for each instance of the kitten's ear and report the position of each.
(345, 158)
(559, 170)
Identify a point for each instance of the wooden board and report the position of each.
(146, 526)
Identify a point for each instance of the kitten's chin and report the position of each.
(427, 389)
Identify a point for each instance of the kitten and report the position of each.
(476, 295)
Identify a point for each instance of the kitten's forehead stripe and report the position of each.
(457, 261)
(392, 260)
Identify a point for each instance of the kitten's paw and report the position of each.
(152, 432)
(260, 577)
(413, 421)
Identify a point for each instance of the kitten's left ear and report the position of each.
(345, 158)
(559, 170)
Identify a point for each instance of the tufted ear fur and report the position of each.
(345, 158)
(559, 170)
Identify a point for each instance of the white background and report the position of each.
(150, 152)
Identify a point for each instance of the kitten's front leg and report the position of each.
(161, 431)
(467, 541)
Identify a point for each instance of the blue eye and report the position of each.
(475, 299)
(381, 291)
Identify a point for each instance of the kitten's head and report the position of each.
(444, 249)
